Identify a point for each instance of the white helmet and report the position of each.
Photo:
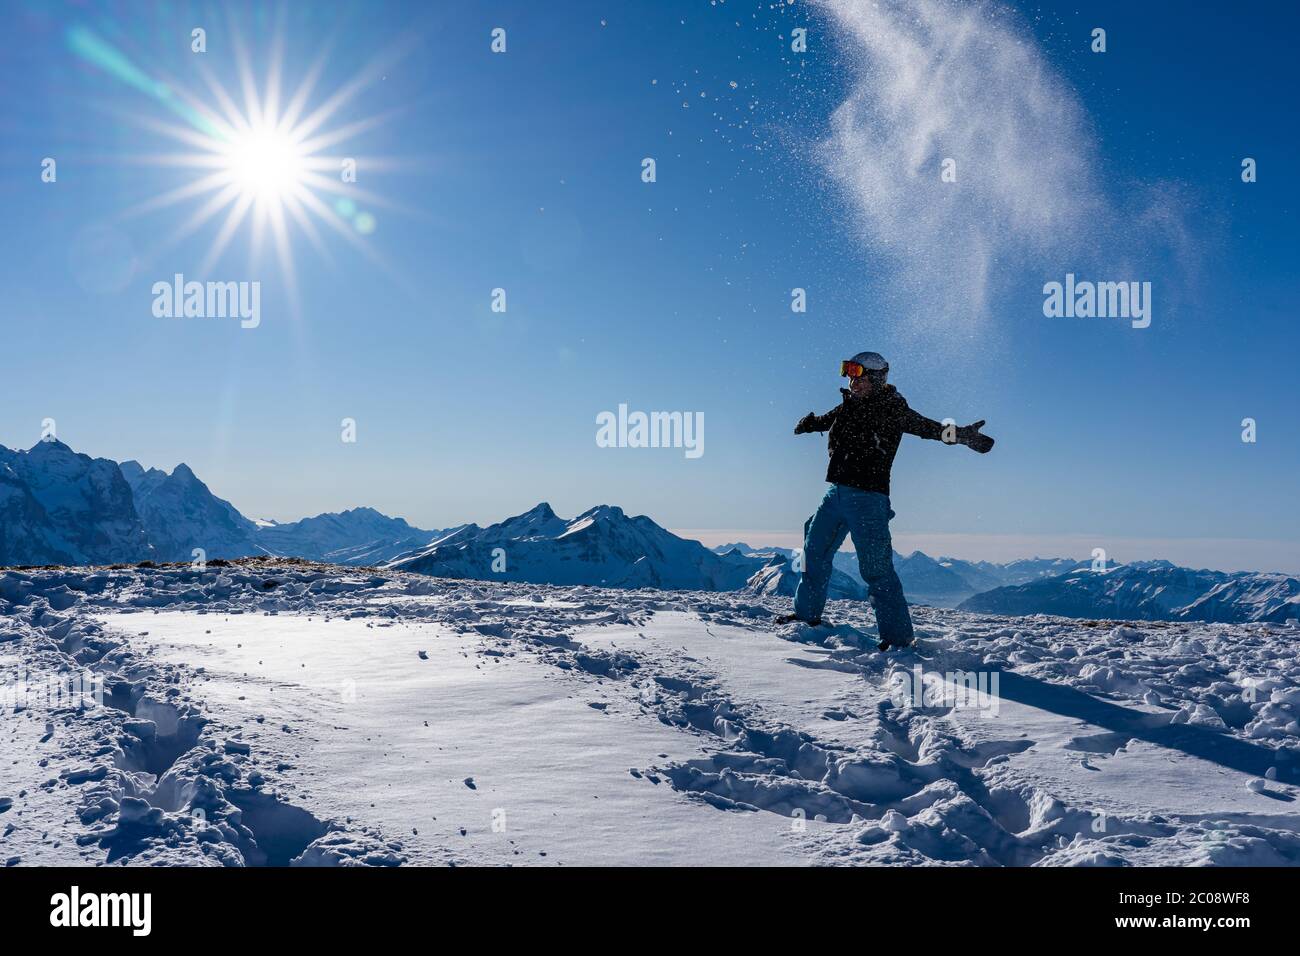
(873, 365)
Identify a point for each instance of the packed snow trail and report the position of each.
(275, 711)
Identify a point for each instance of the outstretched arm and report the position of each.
(914, 423)
(816, 423)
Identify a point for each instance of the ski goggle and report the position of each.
(857, 369)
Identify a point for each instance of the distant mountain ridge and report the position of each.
(361, 536)
(779, 577)
(942, 582)
(1150, 591)
(58, 506)
(603, 547)
(180, 514)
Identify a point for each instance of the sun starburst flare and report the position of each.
(258, 163)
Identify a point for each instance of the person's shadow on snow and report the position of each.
(1205, 743)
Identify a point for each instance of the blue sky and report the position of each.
(522, 171)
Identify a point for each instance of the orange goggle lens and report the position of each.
(852, 369)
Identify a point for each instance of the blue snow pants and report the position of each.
(864, 515)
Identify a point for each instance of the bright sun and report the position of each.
(266, 164)
(268, 160)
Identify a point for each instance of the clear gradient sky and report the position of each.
(775, 170)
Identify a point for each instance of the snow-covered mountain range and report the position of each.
(602, 546)
(180, 514)
(360, 536)
(941, 582)
(1150, 591)
(778, 577)
(58, 507)
(61, 507)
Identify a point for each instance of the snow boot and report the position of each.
(792, 619)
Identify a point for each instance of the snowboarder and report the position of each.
(865, 429)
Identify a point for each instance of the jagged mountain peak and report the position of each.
(538, 521)
(51, 446)
(68, 508)
(603, 511)
(601, 547)
(740, 546)
(612, 519)
(735, 551)
(360, 536)
(778, 576)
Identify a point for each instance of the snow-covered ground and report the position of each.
(271, 711)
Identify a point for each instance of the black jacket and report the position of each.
(864, 436)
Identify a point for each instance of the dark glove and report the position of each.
(805, 424)
(969, 435)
